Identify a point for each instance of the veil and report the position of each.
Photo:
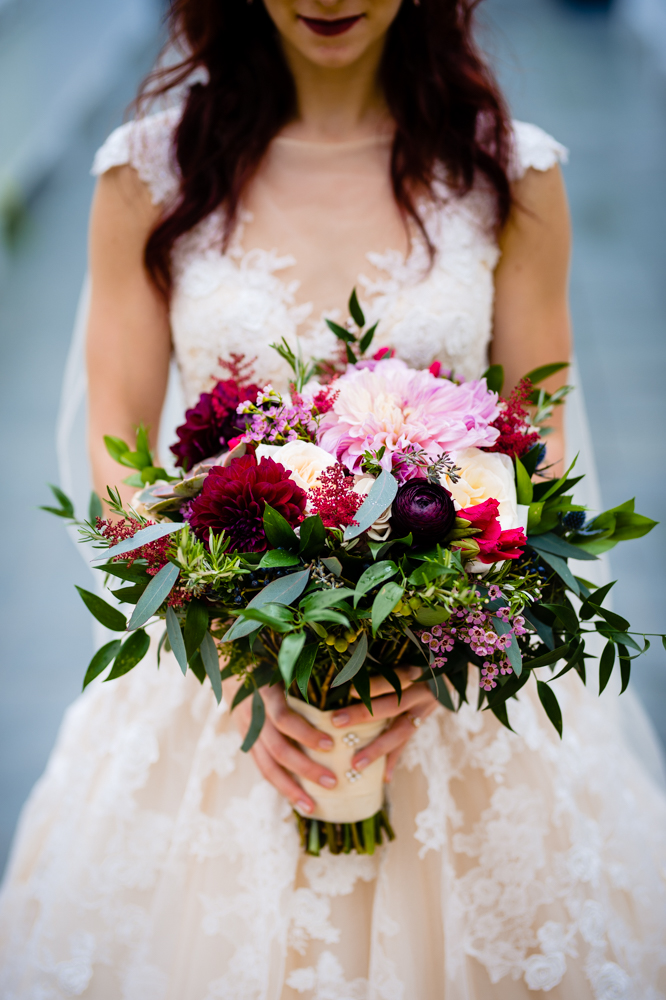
(76, 481)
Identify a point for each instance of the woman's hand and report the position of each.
(416, 704)
(274, 752)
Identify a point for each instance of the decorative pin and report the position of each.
(351, 740)
(353, 775)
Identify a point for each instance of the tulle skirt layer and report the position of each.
(153, 862)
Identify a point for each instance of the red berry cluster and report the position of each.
(516, 438)
(334, 499)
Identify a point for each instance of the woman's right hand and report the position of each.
(274, 752)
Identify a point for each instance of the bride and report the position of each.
(321, 145)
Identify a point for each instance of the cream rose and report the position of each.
(484, 476)
(305, 461)
(381, 529)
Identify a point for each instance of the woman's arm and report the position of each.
(128, 337)
(531, 323)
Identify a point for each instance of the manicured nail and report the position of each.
(326, 743)
(363, 762)
(303, 806)
(388, 776)
(340, 719)
(328, 781)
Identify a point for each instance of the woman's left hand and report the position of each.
(416, 704)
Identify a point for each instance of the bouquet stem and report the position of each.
(341, 838)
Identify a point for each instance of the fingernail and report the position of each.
(340, 719)
(328, 781)
(303, 806)
(326, 743)
(388, 776)
(363, 762)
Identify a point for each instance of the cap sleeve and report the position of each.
(145, 144)
(532, 147)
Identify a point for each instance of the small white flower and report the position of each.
(544, 972)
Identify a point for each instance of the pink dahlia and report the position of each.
(233, 500)
(405, 410)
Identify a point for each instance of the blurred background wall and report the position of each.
(590, 72)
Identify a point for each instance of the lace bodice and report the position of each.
(243, 300)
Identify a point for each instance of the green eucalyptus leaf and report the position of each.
(100, 661)
(154, 595)
(562, 570)
(304, 666)
(373, 577)
(324, 599)
(256, 723)
(625, 666)
(441, 692)
(109, 617)
(550, 703)
(606, 664)
(143, 537)
(281, 591)
(548, 542)
(333, 565)
(354, 663)
(378, 500)
(131, 652)
(211, 662)
(278, 557)
(116, 447)
(196, 626)
(176, 639)
(566, 615)
(544, 631)
(431, 616)
(290, 650)
(384, 603)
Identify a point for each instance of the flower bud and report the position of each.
(424, 509)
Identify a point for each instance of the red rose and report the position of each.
(494, 544)
(233, 500)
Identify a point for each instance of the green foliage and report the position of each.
(196, 626)
(494, 376)
(279, 532)
(380, 497)
(373, 577)
(211, 662)
(109, 617)
(524, 485)
(100, 661)
(354, 663)
(384, 603)
(290, 650)
(176, 639)
(256, 723)
(154, 596)
(549, 701)
(313, 538)
(131, 652)
(66, 508)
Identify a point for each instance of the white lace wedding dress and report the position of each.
(153, 862)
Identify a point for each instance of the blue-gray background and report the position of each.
(593, 76)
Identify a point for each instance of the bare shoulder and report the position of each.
(122, 208)
(540, 214)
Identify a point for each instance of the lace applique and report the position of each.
(327, 981)
(534, 148)
(310, 920)
(337, 874)
(146, 144)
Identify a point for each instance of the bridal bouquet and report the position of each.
(378, 516)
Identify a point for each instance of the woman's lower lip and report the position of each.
(320, 26)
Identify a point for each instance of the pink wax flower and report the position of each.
(405, 410)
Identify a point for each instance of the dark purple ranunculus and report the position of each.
(233, 500)
(424, 509)
(211, 424)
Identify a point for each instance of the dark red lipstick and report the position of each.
(322, 26)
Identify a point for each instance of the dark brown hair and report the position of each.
(445, 103)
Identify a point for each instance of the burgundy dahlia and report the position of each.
(212, 422)
(233, 500)
(424, 509)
